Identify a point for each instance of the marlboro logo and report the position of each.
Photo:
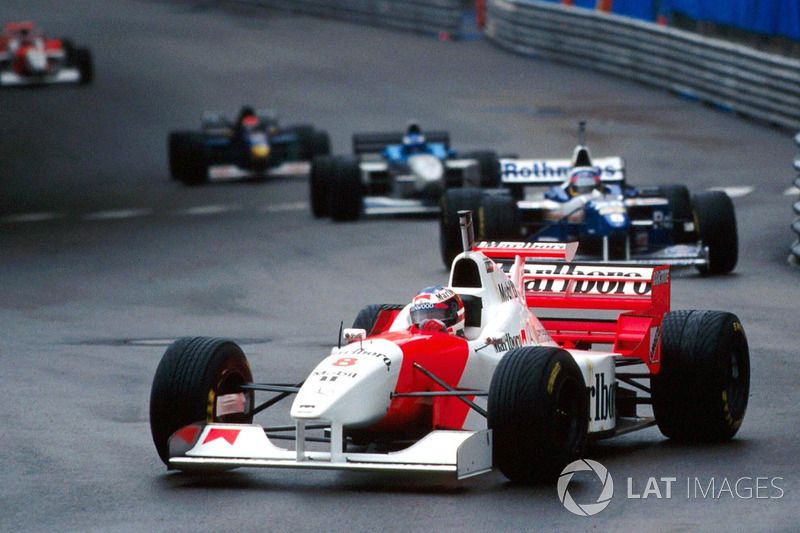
(634, 282)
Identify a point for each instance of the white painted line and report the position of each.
(791, 191)
(30, 217)
(282, 208)
(202, 210)
(734, 192)
(117, 214)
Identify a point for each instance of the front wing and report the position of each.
(64, 75)
(227, 446)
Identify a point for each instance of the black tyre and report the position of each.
(345, 195)
(702, 388)
(489, 166)
(83, 60)
(366, 318)
(321, 171)
(453, 201)
(497, 217)
(319, 144)
(715, 219)
(194, 163)
(193, 372)
(177, 148)
(680, 203)
(538, 413)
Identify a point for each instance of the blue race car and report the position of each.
(396, 173)
(590, 202)
(252, 146)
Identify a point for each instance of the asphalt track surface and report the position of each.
(79, 289)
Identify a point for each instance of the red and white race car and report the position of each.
(517, 391)
(28, 58)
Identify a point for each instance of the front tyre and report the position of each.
(192, 374)
(83, 60)
(701, 391)
(538, 413)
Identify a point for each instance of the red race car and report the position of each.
(27, 57)
(467, 378)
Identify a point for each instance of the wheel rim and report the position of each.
(229, 381)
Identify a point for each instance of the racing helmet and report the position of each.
(247, 118)
(438, 308)
(583, 180)
(413, 136)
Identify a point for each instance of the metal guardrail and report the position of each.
(421, 16)
(795, 257)
(733, 77)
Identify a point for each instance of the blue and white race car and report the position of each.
(396, 173)
(588, 200)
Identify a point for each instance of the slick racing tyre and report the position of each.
(177, 149)
(497, 217)
(319, 144)
(716, 224)
(701, 391)
(453, 201)
(368, 316)
(193, 372)
(85, 65)
(319, 177)
(680, 204)
(345, 195)
(538, 412)
(489, 166)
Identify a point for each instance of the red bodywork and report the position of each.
(598, 287)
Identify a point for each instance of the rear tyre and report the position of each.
(319, 144)
(680, 204)
(538, 413)
(453, 201)
(497, 217)
(193, 372)
(321, 171)
(489, 166)
(345, 195)
(702, 388)
(83, 60)
(716, 221)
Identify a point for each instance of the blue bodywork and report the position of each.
(398, 154)
(608, 216)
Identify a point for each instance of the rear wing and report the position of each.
(640, 294)
(541, 172)
(373, 143)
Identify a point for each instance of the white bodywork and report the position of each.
(353, 387)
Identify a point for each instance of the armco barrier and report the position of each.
(795, 257)
(422, 16)
(730, 76)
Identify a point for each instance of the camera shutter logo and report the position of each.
(585, 509)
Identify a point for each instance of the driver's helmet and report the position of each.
(413, 137)
(583, 180)
(438, 308)
(247, 118)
